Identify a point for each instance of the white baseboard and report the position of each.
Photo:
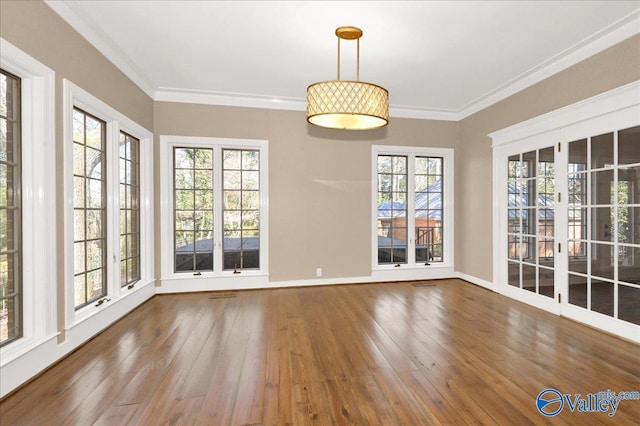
(477, 281)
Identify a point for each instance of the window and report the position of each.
(27, 208)
(216, 216)
(129, 209)
(10, 212)
(89, 208)
(241, 208)
(193, 202)
(412, 208)
(108, 221)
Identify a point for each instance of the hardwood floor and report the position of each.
(443, 352)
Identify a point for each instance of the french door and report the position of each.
(532, 226)
(603, 241)
(567, 214)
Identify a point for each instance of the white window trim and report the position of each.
(217, 279)
(74, 96)
(411, 270)
(38, 201)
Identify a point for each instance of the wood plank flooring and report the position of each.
(370, 354)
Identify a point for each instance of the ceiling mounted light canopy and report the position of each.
(348, 104)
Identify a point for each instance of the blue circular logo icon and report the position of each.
(549, 402)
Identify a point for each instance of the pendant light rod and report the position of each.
(350, 33)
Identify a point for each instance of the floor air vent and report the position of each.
(223, 296)
(423, 285)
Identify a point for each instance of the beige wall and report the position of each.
(607, 70)
(36, 29)
(319, 180)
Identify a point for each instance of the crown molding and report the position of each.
(102, 42)
(190, 96)
(283, 103)
(607, 37)
(613, 34)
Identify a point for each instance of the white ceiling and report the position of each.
(438, 59)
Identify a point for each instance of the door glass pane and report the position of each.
(514, 274)
(578, 290)
(602, 297)
(529, 277)
(546, 282)
(602, 260)
(628, 298)
(629, 146)
(602, 151)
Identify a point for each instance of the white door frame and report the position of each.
(614, 110)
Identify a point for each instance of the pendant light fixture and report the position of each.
(348, 104)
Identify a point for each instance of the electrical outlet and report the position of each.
(318, 272)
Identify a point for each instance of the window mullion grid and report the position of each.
(111, 253)
(411, 211)
(194, 253)
(615, 224)
(218, 210)
(13, 209)
(589, 222)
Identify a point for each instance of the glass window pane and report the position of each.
(184, 158)
(399, 164)
(231, 159)
(203, 220)
(203, 158)
(250, 200)
(203, 199)
(202, 179)
(250, 160)
(184, 179)
(95, 285)
(384, 164)
(94, 132)
(80, 289)
(250, 180)
(184, 199)
(232, 179)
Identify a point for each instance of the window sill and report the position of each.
(125, 298)
(227, 280)
(22, 347)
(406, 272)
